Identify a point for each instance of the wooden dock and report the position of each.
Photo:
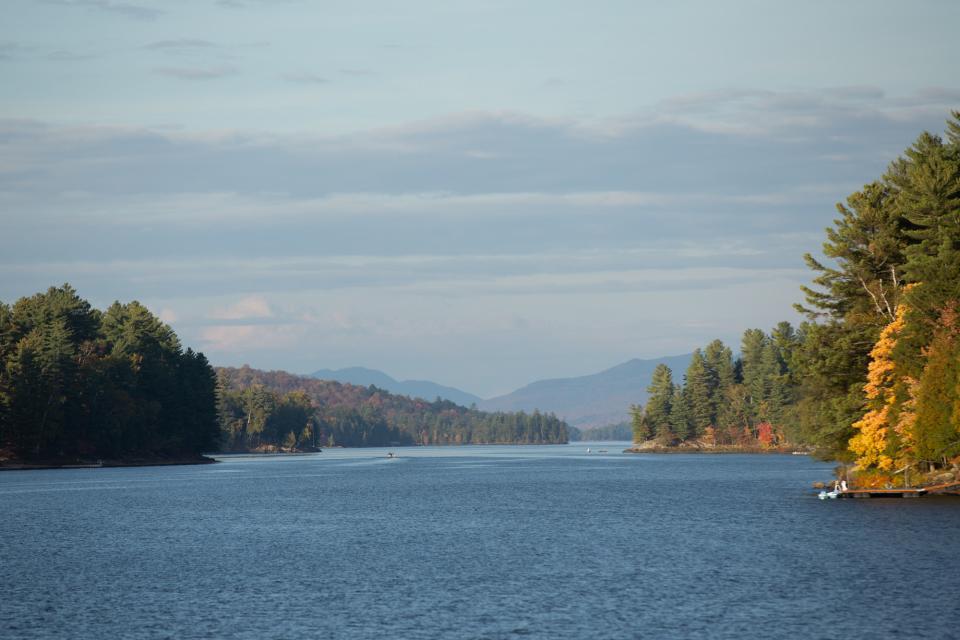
(947, 488)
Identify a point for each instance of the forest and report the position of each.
(744, 402)
(79, 383)
(872, 376)
(620, 431)
(275, 410)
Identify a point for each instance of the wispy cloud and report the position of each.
(125, 9)
(179, 44)
(306, 78)
(11, 50)
(196, 73)
(246, 308)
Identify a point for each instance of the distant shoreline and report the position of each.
(723, 449)
(36, 465)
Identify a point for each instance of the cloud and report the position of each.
(856, 92)
(305, 78)
(357, 72)
(125, 9)
(179, 44)
(229, 338)
(168, 316)
(247, 308)
(62, 55)
(12, 50)
(753, 143)
(196, 73)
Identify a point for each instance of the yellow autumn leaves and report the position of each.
(871, 442)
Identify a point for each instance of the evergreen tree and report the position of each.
(753, 369)
(697, 396)
(659, 401)
(680, 422)
(720, 370)
(638, 422)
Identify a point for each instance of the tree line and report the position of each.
(873, 373)
(76, 382)
(722, 400)
(269, 410)
(80, 383)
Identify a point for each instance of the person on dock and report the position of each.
(836, 486)
(843, 485)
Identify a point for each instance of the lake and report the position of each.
(471, 542)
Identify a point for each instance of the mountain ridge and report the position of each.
(425, 389)
(593, 400)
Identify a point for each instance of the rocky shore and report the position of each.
(695, 447)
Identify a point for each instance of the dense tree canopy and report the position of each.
(722, 401)
(873, 375)
(78, 382)
(274, 409)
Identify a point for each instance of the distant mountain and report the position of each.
(412, 388)
(589, 401)
(276, 410)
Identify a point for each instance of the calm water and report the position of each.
(471, 542)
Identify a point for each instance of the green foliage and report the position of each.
(620, 432)
(640, 430)
(259, 410)
(75, 382)
(656, 415)
(935, 431)
(896, 243)
(697, 396)
(678, 428)
(715, 405)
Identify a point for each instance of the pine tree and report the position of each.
(680, 423)
(697, 396)
(752, 367)
(638, 422)
(720, 370)
(935, 428)
(659, 401)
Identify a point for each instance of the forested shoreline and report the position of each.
(279, 411)
(79, 384)
(872, 376)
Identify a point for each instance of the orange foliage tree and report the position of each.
(871, 443)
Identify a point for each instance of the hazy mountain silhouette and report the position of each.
(413, 388)
(587, 401)
(593, 400)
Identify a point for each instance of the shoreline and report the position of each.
(719, 450)
(28, 465)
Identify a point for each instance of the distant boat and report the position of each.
(391, 454)
(588, 449)
(833, 495)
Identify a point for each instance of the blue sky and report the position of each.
(480, 193)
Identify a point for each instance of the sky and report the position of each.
(480, 193)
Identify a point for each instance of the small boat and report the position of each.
(392, 455)
(588, 449)
(833, 495)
